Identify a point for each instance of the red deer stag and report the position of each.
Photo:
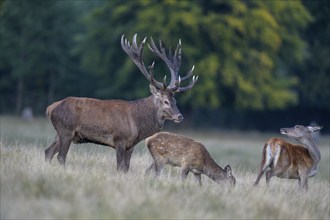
(191, 156)
(289, 161)
(117, 123)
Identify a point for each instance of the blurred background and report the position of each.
(262, 65)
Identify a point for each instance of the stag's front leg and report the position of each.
(128, 155)
(121, 155)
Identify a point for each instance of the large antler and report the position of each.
(173, 62)
(135, 52)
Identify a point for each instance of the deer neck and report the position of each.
(213, 170)
(313, 150)
(145, 115)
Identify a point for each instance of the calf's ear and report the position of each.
(228, 171)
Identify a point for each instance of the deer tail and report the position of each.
(272, 154)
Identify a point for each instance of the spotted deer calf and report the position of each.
(190, 155)
(290, 161)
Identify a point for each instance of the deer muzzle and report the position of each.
(284, 130)
(178, 118)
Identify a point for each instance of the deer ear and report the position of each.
(228, 171)
(154, 90)
(315, 128)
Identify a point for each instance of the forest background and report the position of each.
(262, 65)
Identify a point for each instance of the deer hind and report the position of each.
(120, 124)
(285, 160)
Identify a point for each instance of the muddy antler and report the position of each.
(173, 62)
(135, 52)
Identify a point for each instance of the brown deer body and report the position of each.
(191, 156)
(285, 160)
(118, 123)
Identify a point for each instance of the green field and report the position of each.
(90, 187)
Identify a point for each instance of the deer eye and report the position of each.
(166, 102)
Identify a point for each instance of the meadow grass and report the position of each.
(89, 187)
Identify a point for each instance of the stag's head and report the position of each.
(163, 94)
(300, 132)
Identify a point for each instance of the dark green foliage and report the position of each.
(237, 47)
(251, 56)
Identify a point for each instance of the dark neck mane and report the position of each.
(144, 113)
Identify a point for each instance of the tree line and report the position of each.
(259, 62)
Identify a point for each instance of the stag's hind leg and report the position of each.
(65, 138)
(52, 149)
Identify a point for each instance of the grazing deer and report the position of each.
(190, 155)
(289, 161)
(117, 123)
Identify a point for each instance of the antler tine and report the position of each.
(192, 83)
(176, 62)
(135, 53)
(152, 79)
(189, 74)
(172, 61)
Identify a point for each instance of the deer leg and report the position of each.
(159, 165)
(151, 168)
(120, 154)
(52, 149)
(303, 181)
(263, 168)
(261, 172)
(269, 175)
(198, 178)
(299, 183)
(184, 173)
(65, 138)
(128, 155)
(65, 145)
